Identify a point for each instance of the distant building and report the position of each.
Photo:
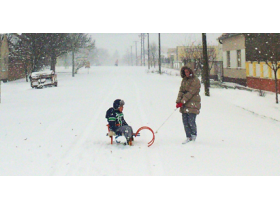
(192, 56)
(234, 58)
(240, 66)
(4, 58)
(171, 55)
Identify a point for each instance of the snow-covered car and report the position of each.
(43, 78)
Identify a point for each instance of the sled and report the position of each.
(112, 134)
(150, 143)
(44, 78)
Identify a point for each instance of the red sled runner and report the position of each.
(112, 134)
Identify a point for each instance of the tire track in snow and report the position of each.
(74, 161)
(152, 155)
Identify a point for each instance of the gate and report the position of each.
(218, 70)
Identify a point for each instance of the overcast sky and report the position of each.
(123, 41)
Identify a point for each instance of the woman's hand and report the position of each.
(178, 105)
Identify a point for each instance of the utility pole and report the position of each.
(144, 48)
(206, 80)
(131, 57)
(148, 51)
(159, 59)
(141, 47)
(73, 63)
(136, 52)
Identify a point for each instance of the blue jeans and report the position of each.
(189, 124)
(126, 131)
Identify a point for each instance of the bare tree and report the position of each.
(36, 50)
(30, 49)
(78, 41)
(154, 53)
(57, 45)
(193, 53)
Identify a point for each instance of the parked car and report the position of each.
(43, 78)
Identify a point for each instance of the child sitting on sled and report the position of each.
(116, 121)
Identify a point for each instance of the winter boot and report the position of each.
(129, 141)
(193, 137)
(117, 140)
(187, 140)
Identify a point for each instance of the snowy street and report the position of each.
(62, 130)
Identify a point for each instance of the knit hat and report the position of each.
(118, 103)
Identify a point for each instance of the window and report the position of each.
(239, 58)
(228, 59)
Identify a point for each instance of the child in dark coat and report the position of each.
(117, 122)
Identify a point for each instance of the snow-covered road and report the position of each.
(62, 130)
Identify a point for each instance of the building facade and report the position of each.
(261, 76)
(4, 59)
(244, 61)
(234, 58)
(192, 56)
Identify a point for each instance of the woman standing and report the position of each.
(189, 102)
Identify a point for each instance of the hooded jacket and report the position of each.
(189, 95)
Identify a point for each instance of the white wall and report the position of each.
(243, 59)
(225, 59)
(258, 70)
(233, 59)
(250, 69)
(265, 71)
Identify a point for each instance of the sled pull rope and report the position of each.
(166, 119)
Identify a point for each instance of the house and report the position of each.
(240, 65)
(234, 58)
(262, 47)
(11, 67)
(171, 55)
(192, 56)
(4, 58)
